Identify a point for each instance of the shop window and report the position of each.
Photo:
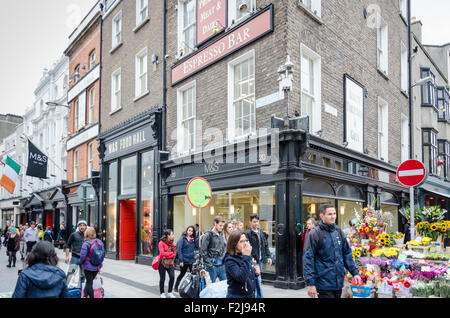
(128, 171)
(393, 225)
(346, 212)
(317, 186)
(311, 207)
(428, 89)
(232, 205)
(146, 208)
(111, 211)
(430, 150)
(350, 191)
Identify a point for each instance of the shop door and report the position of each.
(48, 218)
(127, 231)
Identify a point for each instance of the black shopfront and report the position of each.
(284, 196)
(128, 154)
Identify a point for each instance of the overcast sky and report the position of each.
(34, 34)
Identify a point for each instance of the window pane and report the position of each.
(426, 157)
(128, 176)
(426, 136)
(146, 210)
(111, 218)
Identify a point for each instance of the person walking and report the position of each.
(326, 256)
(239, 267)
(167, 254)
(186, 246)
(48, 235)
(41, 278)
(91, 259)
(212, 250)
(41, 232)
(260, 248)
(61, 236)
(310, 224)
(227, 229)
(31, 236)
(12, 246)
(73, 247)
(22, 242)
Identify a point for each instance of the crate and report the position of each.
(417, 248)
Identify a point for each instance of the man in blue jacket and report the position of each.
(326, 255)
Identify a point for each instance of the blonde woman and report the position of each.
(91, 259)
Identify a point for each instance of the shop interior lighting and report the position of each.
(211, 209)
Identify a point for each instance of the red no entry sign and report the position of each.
(411, 173)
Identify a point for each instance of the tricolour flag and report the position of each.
(10, 175)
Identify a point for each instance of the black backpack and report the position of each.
(322, 236)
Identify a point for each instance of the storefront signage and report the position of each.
(257, 26)
(354, 114)
(211, 16)
(133, 141)
(199, 193)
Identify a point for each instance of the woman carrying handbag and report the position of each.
(167, 253)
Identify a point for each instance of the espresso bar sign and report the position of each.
(211, 15)
(257, 26)
(133, 141)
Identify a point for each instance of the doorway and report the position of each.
(127, 230)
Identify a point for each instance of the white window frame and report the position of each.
(383, 130)
(403, 8)
(182, 148)
(233, 14)
(76, 110)
(404, 138)
(140, 10)
(92, 57)
(232, 136)
(116, 104)
(315, 6)
(187, 48)
(116, 39)
(404, 67)
(91, 96)
(315, 123)
(142, 56)
(90, 158)
(75, 166)
(383, 47)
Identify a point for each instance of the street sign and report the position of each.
(199, 193)
(411, 173)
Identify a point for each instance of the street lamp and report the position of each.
(422, 81)
(56, 104)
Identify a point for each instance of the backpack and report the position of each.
(96, 253)
(322, 236)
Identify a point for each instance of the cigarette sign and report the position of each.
(411, 173)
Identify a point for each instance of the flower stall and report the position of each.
(392, 268)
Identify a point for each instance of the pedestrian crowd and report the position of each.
(41, 277)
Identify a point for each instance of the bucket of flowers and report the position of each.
(398, 238)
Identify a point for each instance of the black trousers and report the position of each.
(30, 246)
(88, 288)
(162, 277)
(12, 258)
(329, 293)
(183, 271)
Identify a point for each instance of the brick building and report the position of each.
(235, 69)
(83, 118)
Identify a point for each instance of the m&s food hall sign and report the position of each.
(133, 141)
(253, 29)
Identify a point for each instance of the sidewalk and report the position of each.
(126, 279)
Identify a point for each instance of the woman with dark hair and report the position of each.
(227, 229)
(186, 252)
(167, 253)
(12, 246)
(240, 270)
(42, 278)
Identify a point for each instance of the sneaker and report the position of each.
(171, 295)
(8, 265)
(163, 295)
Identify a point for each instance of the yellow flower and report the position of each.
(433, 227)
(367, 230)
(420, 225)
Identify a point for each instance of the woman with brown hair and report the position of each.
(91, 259)
(227, 229)
(239, 268)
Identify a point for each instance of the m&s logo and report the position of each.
(38, 157)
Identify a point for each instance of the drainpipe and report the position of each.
(164, 107)
(411, 126)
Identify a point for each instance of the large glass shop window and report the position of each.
(346, 212)
(392, 225)
(128, 175)
(111, 211)
(232, 205)
(146, 209)
(311, 207)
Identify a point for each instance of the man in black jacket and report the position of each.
(212, 250)
(260, 248)
(74, 244)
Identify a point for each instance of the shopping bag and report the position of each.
(97, 285)
(73, 281)
(190, 286)
(215, 290)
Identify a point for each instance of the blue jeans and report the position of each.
(217, 272)
(258, 282)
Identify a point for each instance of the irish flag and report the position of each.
(10, 175)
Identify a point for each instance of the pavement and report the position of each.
(125, 279)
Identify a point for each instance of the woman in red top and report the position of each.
(310, 224)
(167, 253)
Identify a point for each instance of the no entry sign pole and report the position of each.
(411, 173)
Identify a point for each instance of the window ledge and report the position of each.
(382, 73)
(311, 14)
(140, 25)
(140, 96)
(404, 93)
(115, 111)
(115, 48)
